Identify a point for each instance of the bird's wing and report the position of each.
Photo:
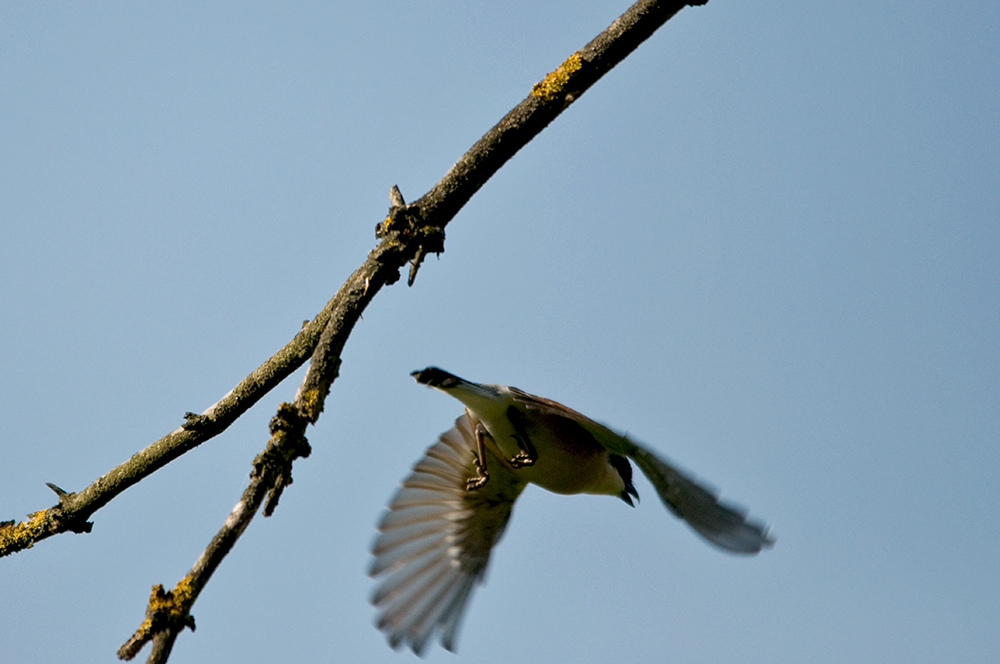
(435, 540)
(722, 524)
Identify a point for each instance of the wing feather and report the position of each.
(435, 540)
(722, 524)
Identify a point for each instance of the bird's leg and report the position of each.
(527, 456)
(482, 476)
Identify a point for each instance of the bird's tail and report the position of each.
(439, 378)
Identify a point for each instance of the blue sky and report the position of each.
(766, 245)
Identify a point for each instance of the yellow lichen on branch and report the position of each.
(19, 536)
(555, 82)
(167, 611)
(312, 403)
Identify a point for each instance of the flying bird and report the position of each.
(435, 540)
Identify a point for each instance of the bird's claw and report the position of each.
(474, 483)
(522, 460)
(480, 478)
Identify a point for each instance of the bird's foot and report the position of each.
(480, 479)
(522, 460)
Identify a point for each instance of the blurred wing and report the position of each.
(435, 540)
(724, 525)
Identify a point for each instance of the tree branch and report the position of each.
(407, 234)
(73, 510)
(547, 99)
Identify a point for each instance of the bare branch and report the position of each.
(168, 613)
(72, 512)
(407, 234)
(547, 99)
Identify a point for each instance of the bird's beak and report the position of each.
(627, 494)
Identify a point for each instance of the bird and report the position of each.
(436, 537)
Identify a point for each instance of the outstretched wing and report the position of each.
(724, 525)
(435, 540)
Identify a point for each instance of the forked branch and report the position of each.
(406, 235)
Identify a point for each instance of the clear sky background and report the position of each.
(766, 245)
